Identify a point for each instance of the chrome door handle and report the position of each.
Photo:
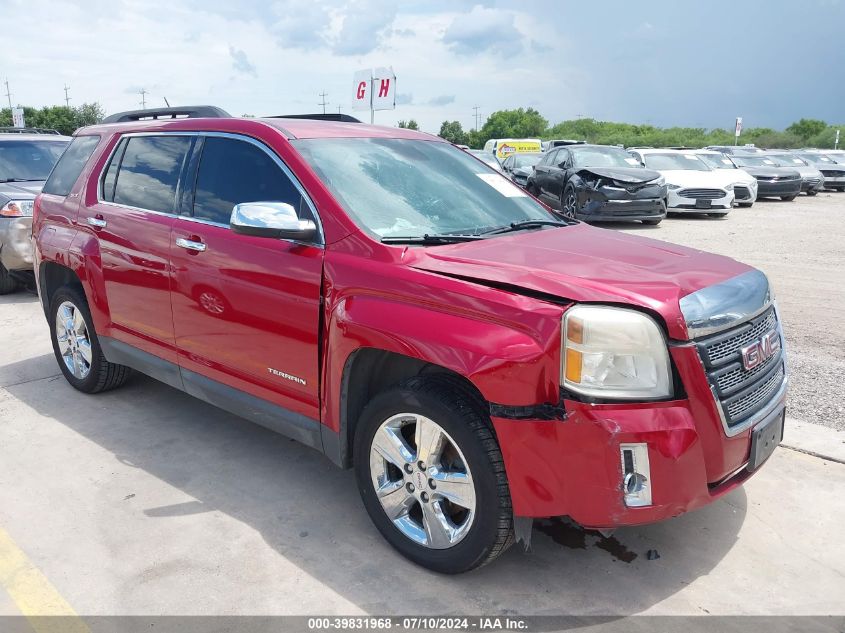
(181, 242)
(99, 223)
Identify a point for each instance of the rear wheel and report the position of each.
(788, 198)
(7, 282)
(76, 346)
(569, 202)
(431, 475)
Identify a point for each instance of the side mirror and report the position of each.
(271, 219)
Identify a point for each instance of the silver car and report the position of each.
(26, 159)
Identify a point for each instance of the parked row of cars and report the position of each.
(609, 183)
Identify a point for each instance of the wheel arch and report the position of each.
(51, 277)
(369, 371)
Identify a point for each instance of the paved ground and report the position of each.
(800, 245)
(146, 501)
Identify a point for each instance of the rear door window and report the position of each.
(231, 172)
(148, 174)
(70, 165)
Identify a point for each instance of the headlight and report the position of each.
(673, 187)
(729, 187)
(614, 353)
(16, 209)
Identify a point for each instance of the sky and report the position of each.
(691, 63)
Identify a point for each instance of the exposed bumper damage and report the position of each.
(15, 243)
(605, 197)
(574, 467)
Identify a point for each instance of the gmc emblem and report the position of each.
(760, 350)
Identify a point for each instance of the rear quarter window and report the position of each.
(70, 165)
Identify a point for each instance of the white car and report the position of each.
(744, 184)
(693, 187)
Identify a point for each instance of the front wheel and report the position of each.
(788, 198)
(812, 192)
(431, 475)
(745, 204)
(76, 346)
(569, 202)
(653, 222)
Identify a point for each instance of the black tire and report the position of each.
(745, 204)
(569, 202)
(840, 189)
(7, 282)
(812, 192)
(653, 222)
(458, 411)
(789, 198)
(102, 375)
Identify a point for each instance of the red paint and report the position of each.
(362, 88)
(384, 88)
(247, 304)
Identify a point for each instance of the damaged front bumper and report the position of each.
(606, 202)
(576, 467)
(16, 244)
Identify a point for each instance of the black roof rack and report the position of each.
(27, 130)
(154, 114)
(328, 116)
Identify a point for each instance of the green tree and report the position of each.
(410, 124)
(806, 128)
(519, 123)
(453, 132)
(64, 119)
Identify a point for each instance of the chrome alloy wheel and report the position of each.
(422, 480)
(74, 342)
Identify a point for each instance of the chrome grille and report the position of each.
(760, 395)
(742, 392)
(724, 348)
(702, 194)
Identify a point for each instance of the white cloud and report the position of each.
(483, 30)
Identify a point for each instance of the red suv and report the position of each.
(389, 300)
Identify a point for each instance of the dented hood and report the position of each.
(583, 263)
(633, 175)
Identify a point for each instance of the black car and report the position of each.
(599, 182)
(772, 181)
(518, 167)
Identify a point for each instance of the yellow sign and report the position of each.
(506, 148)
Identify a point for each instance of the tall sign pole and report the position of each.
(8, 93)
(836, 142)
(67, 98)
(737, 130)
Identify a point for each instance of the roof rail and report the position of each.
(328, 116)
(155, 114)
(27, 130)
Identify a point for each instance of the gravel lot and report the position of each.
(800, 245)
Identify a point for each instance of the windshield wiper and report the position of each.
(427, 239)
(525, 224)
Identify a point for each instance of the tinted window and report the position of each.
(111, 172)
(232, 172)
(149, 172)
(70, 165)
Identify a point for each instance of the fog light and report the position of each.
(636, 475)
